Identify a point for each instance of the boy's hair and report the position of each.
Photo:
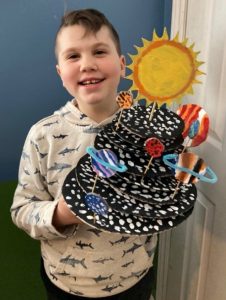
(92, 20)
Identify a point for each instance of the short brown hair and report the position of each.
(92, 20)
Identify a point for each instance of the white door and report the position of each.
(192, 258)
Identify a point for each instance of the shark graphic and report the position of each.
(127, 264)
(82, 116)
(122, 240)
(92, 130)
(126, 277)
(23, 185)
(95, 231)
(77, 293)
(33, 199)
(109, 288)
(53, 276)
(101, 278)
(35, 145)
(59, 167)
(82, 125)
(68, 150)
(37, 218)
(26, 172)
(132, 249)
(51, 123)
(42, 155)
(139, 274)
(63, 273)
(61, 136)
(103, 260)
(37, 171)
(72, 261)
(151, 252)
(25, 155)
(82, 245)
(15, 210)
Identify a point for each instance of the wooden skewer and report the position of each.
(186, 146)
(152, 111)
(119, 119)
(147, 167)
(176, 190)
(94, 185)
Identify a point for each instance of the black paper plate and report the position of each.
(115, 221)
(164, 124)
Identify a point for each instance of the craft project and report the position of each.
(137, 178)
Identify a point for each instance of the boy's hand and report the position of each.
(63, 216)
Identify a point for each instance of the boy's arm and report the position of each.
(34, 210)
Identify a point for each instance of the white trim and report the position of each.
(163, 265)
(179, 18)
(178, 25)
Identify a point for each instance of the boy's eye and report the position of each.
(73, 56)
(100, 52)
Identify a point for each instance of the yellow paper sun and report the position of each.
(163, 70)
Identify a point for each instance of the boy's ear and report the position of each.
(59, 73)
(123, 66)
(58, 70)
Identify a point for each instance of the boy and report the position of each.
(79, 262)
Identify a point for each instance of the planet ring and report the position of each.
(92, 152)
(209, 171)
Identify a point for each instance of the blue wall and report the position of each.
(29, 86)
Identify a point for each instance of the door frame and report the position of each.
(178, 25)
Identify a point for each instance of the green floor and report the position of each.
(19, 256)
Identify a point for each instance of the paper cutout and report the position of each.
(125, 101)
(96, 204)
(105, 162)
(154, 148)
(196, 123)
(163, 70)
(190, 168)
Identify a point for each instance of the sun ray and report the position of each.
(164, 70)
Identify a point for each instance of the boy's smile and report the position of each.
(90, 67)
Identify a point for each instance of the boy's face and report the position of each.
(89, 65)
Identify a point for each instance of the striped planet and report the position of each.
(107, 156)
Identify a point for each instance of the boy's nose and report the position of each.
(88, 64)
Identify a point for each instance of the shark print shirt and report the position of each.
(81, 260)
